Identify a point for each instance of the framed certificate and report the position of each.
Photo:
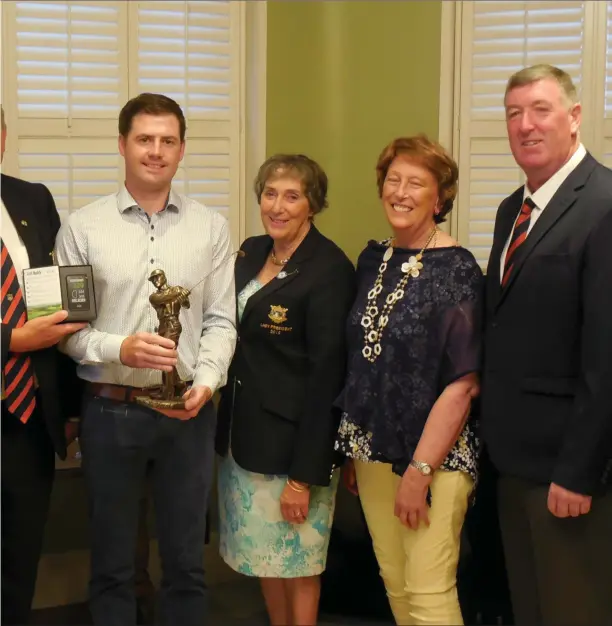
(68, 287)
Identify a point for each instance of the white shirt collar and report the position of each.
(544, 194)
(125, 200)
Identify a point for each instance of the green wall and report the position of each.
(343, 79)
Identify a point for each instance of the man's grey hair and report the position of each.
(533, 74)
(3, 122)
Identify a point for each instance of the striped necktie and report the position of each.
(19, 392)
(519, 234)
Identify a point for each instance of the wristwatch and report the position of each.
(423, 468)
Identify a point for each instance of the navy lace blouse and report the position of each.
(432, 338)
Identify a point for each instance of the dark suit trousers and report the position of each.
(118, 441)
(560, 569)
(28, 467)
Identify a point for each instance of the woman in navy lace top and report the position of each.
(414, 354)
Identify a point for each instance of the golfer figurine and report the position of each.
(167, 302)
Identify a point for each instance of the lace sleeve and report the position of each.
(462, 329)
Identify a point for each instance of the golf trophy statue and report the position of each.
(168, 302)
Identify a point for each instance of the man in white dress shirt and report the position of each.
(147, 225)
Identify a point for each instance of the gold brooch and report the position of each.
(277, 314)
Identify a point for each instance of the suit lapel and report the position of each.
(24, 224)
(248, 267)
(507, 216)
(288, 274)
(560, 203)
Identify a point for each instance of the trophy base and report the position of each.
(172, 404)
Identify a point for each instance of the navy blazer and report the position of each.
(290, 361)
(35, 217)
(546, 401)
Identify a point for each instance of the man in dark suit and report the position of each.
(547, 408)
(36, 391)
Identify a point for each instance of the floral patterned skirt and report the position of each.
(255, 539)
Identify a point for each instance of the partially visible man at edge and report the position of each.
(147, 225)
(39, 391)
(546, 402)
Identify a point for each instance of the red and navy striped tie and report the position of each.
(19, 392)
(519, 234)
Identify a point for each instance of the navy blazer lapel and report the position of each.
(563, 199)
(248, 266)
(288, 274)
(22, 219)
(507, 214)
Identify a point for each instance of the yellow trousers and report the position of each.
(418, 567)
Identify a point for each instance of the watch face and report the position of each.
(422, 467)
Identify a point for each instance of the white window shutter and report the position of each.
(76, 171)
(191, 52)
(75, 65)
(67, 65)
(68, 85)
(497, 39)
(184, 51)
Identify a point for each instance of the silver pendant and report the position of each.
(282, 274)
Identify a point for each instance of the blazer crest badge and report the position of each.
(277, 314)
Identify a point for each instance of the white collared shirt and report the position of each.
(543, 196)
(14, 244)
(123, 245)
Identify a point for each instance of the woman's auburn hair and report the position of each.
(432, 156)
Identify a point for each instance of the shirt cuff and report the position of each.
(206, 377)
(111, 348)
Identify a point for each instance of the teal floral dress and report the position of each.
(254, 538)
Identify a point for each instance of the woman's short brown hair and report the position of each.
(299, 166)
(431, 155)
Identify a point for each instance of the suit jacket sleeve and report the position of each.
(587, 445)
(328, 309)
(52, 214)
(49, 223)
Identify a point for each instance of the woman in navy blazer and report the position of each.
(276, 423)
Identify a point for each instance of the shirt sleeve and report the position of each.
(218, 340)
(88, 346)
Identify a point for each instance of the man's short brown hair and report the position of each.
(301, 167)
(150, 104)
(432, 156)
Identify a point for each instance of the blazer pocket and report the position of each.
(287, 408)
(549, 386)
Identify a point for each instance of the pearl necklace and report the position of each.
(373, 327)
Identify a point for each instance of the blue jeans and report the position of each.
(118, 440)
